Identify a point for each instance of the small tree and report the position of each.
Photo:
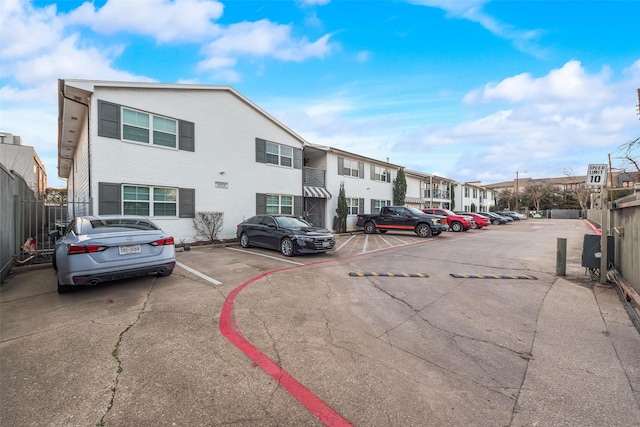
(399, 188)
(340, 220)
(453, 196)
(208, 224)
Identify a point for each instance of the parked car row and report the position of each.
(95, 249)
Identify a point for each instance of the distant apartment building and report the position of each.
(23, 160)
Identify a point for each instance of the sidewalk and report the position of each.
(586, 364)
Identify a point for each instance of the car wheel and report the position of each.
(423, 230)
(244, 240)
(370, 228)
(496, 222)
(286, 247)
(456, 226)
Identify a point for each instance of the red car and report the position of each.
(456, 222)
(481, 221)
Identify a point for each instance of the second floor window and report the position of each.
(352, 168)
(279, 154)
(380, 174)
(149, 129)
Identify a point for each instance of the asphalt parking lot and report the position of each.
(388, 330)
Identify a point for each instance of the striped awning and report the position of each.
(317, 192)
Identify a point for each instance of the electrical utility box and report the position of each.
(591, 252)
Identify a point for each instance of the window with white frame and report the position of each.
(377, 205)
(149, 201)
(279, 204)
(475, 193)
(466, 191)
(353, 206)
(381, 174)
(279, 154)
(350, 168)
(148, 128)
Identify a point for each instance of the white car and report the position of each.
(517, 214)
(95, 249)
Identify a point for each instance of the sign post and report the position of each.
(597, 177)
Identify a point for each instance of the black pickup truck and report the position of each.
(402, 218)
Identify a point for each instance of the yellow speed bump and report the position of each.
(492, 276)
(385, 274)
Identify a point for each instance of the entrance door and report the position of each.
(314, 209)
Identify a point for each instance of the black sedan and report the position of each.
(288, 234)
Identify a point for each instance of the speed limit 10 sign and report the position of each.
(597, 175)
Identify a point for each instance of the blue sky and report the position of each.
(470, 90)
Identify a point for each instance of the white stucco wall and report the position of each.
(366, 188)
(225, 131)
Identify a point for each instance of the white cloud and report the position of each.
(19, 21)
(261, 39)
(570, 84)
(164, 20)
(472, 10)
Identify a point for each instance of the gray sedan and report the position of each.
(95, 249)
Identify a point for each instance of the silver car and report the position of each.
(95, 249)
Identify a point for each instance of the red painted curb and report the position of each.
(233, 333)
(595, 229)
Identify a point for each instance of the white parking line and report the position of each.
(347, 241)
(400, 240)
(386, 241)
(197, 273)
(366, 241)
(266, 256)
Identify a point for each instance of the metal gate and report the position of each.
(314, 211)
(33, 220)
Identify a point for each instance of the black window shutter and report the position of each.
(108, 198)
(360, 170)
(360, 206)
(373, 173)
(373, 205)
(187, 138)
(187, 208)
(108, 119)
(297, 206)
(261, 204)
(261, 151)
(297, 158)
(340, 166)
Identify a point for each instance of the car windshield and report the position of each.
(291, 222)
(448, 212)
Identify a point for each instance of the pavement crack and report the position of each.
(116, 354)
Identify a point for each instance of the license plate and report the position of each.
(129, 249)
(326, 244)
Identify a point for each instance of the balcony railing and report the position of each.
(314, 177)
(437, 194)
